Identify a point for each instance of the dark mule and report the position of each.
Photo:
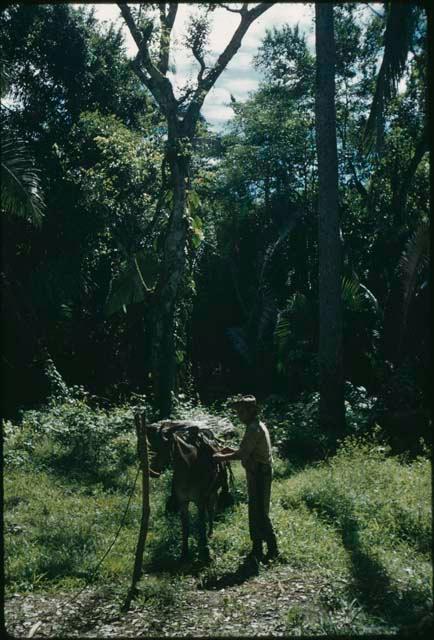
(197, 477)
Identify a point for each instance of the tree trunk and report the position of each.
(332, 414)
(172, 273)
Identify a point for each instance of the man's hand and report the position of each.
(225, 453)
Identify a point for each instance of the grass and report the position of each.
(360, 522)
(379, 508)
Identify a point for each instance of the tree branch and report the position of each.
(155, 81)
(134, 29)
(206, 82)
(239, 11)
(167, 20)
(199, 57)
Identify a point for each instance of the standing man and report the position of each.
(255, 455)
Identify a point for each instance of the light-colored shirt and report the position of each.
(255, 445)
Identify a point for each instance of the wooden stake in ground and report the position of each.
(142, 450)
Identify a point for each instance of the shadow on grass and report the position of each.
(371, 584)
(165, 553)
(245, 570)
(174, 566)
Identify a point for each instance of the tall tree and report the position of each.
(331, 386)
(182, 115)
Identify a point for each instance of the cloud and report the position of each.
(217, 114)
(243, 85)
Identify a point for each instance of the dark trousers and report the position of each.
(259, 490)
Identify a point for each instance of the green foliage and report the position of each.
(115, 167)
(89, 126)
(401, 391)
(286, 60)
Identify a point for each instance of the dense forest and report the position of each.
(152, 260)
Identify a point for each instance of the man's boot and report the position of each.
(257, 551)
(254, 557)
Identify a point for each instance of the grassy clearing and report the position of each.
(360, 523)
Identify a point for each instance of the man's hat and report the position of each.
(243, 401)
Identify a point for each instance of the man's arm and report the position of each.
(227, 454)
(244, 451)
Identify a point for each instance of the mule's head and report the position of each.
(159, 448)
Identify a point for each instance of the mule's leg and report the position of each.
(203, 540)
(211, 511)
(172, 501)
(183, 510)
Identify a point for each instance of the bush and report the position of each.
(73, 438)
(295, 426)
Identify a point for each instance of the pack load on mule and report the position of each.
(188, 447)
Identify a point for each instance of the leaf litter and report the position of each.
(258, 606)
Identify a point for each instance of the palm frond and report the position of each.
(371, 297)
(283, 328)
(20, 194)
(397, 40)
(298, 309)
(351, 294)
(267, 316)
(132, 285)
(414, 258)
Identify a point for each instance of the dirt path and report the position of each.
(258, 606)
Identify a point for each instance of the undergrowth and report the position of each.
(360, 521)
